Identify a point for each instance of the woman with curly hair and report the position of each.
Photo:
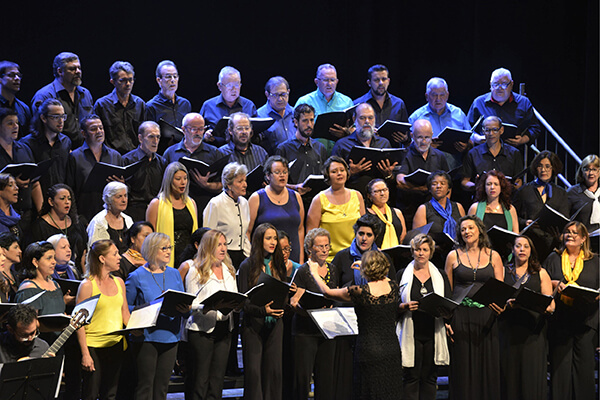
(492, 202)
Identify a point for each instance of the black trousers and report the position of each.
(154, 363)
(102, 383)
(420, 382)
(262, 352)
(314, 353)
(207, 356)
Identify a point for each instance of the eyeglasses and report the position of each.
(232, 85)
(127, 80)
(281, 96)
(589, 169)
(242, 128)
(193, 129)
(542, 167)
(14, 75)
(489, 130)
(498, 85)
(322, 247)
(166, 248)
(287, 249)
(279, 173)
(381, 191)
(56, 117)
(170, 77)
(328, 80)
(28, 338)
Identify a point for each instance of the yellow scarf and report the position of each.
(390, 238)
(570, 274)
(164, 221)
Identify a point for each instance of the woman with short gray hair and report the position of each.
(111, 223)
(230, 214)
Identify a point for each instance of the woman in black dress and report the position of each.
(585, 195)
(132, 258)
(12, 251)
(377, 353)
(378, 195)
(475, 354)
(492, 202)
(572, 330)
(523, 355)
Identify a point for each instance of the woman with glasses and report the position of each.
(312, 351)
(102, 352)
(378, 194)
(156, 349)
(229, 212)
(337, 208)
(280, 206)
(533, 197)
(585, 194)
(572, 332)
(173, 212)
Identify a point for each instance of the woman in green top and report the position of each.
(492, 202)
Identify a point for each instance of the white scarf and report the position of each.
(405, 328)
(595, 218)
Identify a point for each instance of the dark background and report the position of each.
(550, 45)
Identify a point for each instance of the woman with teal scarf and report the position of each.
(262, 330)
(492, 202)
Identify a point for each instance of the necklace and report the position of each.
(162, 289)
(471, 264)
(53, 221)
(423, 288)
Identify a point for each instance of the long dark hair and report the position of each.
(51, 194)
(533, 264)
(505, 188)
(35, 250)
(257, 256)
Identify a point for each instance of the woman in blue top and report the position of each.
(157, 348)
(262, 331)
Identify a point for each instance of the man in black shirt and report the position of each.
(10, 84)
(240, 148)
(21, 336)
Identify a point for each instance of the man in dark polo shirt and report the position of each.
(10, 84)
(493, 154)
(240, 149)
(21, 338)
(77, 100)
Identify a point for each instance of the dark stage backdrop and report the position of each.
(551, 45)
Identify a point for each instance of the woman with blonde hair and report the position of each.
(173, 212)
(209, 330)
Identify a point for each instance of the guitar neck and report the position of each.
(58, 343)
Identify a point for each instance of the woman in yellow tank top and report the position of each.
(101, 352)
(337, 208)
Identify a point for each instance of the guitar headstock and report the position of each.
(79, 319)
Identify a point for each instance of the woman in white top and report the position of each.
(209, 331)
(229, 212)
(111, 223)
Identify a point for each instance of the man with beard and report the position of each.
(144, 185)
(21, 336)
(10, 84)
(77, 100)
(364, 135)
(386, 105)
(420, 155)
(277, 107)
(82, 160)
(121, 112)
(240, 149)
(227, 103)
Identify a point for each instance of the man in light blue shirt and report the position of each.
(442, 114)
(277, 91)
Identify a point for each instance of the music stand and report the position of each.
(35, 379)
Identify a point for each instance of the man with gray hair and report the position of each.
(10, 84)
(240, 149)
(228, 102)
(511, 107)
(442, 114)
(120, 111)
(277, 91)
(166, 104)
(77, 100)
(325, 98)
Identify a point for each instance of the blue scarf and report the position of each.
(450, 224)
(356, 255)
(547, 187)
(61, 269)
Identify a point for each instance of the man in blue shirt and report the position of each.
(77, 100)
(386, 105)
(10, 84)
(166, 104)
(225, 104)
(120, 111)
(240, 149)
(442, 114)
(277, 91)
(511, 107)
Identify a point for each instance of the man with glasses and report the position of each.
(193, 146)
(21, 338)
(144, 185)
(240, 149)
(166, 104)
(66, 87)
(120, 111)
(225, 104)
(277, 91)
(10, 84)
(511, 107)
(492, 154)
(47, 142)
